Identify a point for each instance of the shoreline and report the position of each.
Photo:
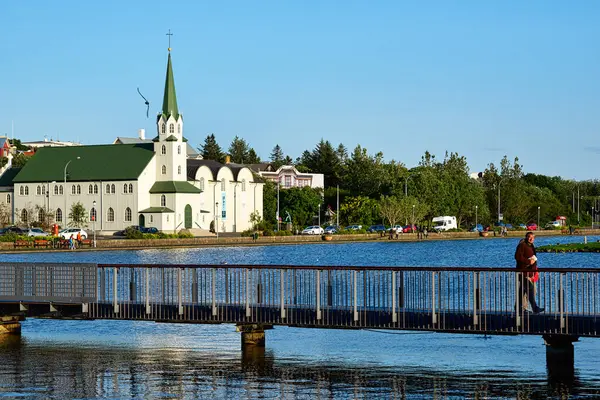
(140, 244)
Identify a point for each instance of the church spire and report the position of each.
(169, 107)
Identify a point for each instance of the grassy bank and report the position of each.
(571, 248)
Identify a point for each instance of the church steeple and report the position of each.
(169, 107)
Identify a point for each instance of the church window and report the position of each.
(163, 128)
(151, 219)
(21, 190)
(8, 198)
(163, 200)
(58, 215)
(113, 189)
(95, 189)
(223, 185)
(171, 128)
(24, 216)
(243, 185)
(90, 189)
(124, 188)
(131, 188)
(60, 190)
(78, 189)
(128, 214)
(107, 188)
(93, 214)
(179, 149)
(110, 217)
(41, 215)
(163, 150)
(73, 189)
(202, 184)
(167, 218)
(56, 190)
(43, 190)
(26, 190)
(38, 190)
(179, 170)
(164, 169)
(178, 128)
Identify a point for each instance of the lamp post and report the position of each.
(592, 217)
(319, 214)
(277, 215)
(94, 221)
(65, 213)
(578, 204)
(476, 217)
(413, 219)
(406, 186)
(217, 219)
(499, 182)
(538, 224)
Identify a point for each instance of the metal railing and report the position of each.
(423, 298)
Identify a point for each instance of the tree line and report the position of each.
(372, 190)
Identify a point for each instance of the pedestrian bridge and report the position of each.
(258, 297)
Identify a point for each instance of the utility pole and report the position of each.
(337, 214)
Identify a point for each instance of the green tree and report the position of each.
(390, 208)
(277, 157)
(365, 174)
(360, 210)
(239, 151)
(78, 215)
(252, 157)
(211, 150)
(269, 204)
(325, 160)
(255, 219)
(302, 204)
(19, 146)
(19, 160)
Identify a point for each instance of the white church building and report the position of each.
(150, 183)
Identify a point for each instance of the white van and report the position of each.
(444, 223)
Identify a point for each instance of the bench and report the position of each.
(22, 243)
(85, 242)
(42, 243)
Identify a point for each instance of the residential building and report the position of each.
(288, 176)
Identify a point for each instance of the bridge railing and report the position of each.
(448, 299)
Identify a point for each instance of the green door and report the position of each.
(188, 216)
(142, 220)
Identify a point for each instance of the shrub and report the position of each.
(268, 232)
(283, 233)
(183, 234)
(133, 234)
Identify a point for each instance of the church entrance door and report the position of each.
(142, 220)
(188, 216)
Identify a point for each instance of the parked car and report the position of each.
(353, 228)
(66, 233)
(532, 226)
(508, 226)
(12, 229)
(313, 230)
(553, 225)
(409, 229)
(149, 229)
(332, 229)
(36, 232)
(376, 228)
(477, 228)
(397, 228)
(135, 228)
(522, 226)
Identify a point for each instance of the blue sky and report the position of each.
(481, 78)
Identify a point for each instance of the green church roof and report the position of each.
(156, 210)
(174, 187)
(170, 98)
(7, 177)
(110, 162)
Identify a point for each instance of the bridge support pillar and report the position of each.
(253, 335)
(10, 325)
(560, 355)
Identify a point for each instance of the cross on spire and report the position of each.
(169, 34)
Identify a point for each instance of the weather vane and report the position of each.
(169, 34)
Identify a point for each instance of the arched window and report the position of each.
(58, 215)
(41, 215)
(131, 188)
(171, 128)
(223, 185)
(38, 190)
(73, 189)
(151, 219)
(24, 216)
(90, 189)
(179, 149)
(163, 150)
(124, 188)
(56, 190)
(179, 170)
(107, 188)
(60, 190)
(8, 198)
(163, 128)
(95, 189)
(163, 200)
(113, 189)
(202, 184)
(26, 190)
(78, 189)
(110, 217)
(21, 190)
(243, 185)
(128, 214)
(93, 214)
(43, 189)
(178, 128)
(164, 169)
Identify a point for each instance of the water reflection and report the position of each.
(37, 370)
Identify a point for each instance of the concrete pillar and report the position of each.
(560, 356)
(10, 325)
(253, 335)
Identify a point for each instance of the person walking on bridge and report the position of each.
(526, 258)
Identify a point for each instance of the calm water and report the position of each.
(122, 359)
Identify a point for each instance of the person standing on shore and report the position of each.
(526, 258)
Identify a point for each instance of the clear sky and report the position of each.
(481, 78)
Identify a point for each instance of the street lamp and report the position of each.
(319, 214)
(592, 217)
(413, 219)
(94, 221)
(217, 219)
(538, 224)
(66, 192)
(499, 182)
(476, 207)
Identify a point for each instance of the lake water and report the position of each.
(126, 359)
